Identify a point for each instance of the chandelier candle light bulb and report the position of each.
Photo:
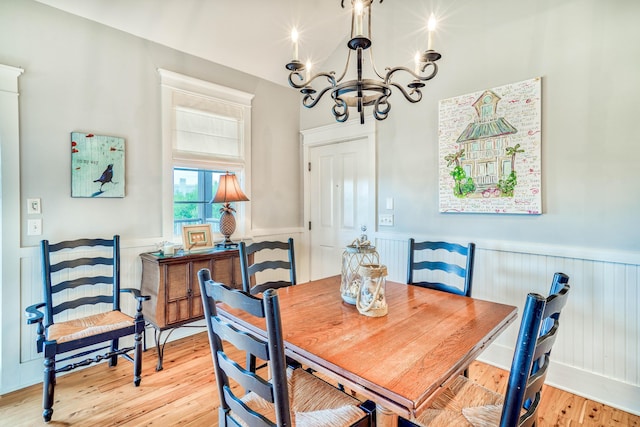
(431, 27)
(359, 8)
(294, 39)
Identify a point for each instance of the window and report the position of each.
(193, 190)
(206, 133)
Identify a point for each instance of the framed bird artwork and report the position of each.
(97, 165)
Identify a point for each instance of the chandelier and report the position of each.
(362, 92)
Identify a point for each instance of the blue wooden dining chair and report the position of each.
(442, 266)
(427, 259)
(259, 262)
(465, 402)
(79, 275)
(267, 255)
(292, 396)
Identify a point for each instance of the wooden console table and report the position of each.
(172, 283)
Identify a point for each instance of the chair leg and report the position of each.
(137, 359)
(113, 360)
(48, 387)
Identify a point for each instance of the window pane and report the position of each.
(193, 190)
(185, 185)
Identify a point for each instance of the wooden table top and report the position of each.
(401, 360)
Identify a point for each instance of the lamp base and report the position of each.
(227, 227)
(227, 243)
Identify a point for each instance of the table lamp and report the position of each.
(228, 191)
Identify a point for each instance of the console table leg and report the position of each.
(160, 346)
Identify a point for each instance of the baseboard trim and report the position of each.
(608, 391)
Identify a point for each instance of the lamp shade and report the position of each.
(229, 190)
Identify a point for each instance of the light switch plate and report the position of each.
(390, 203)
(33, 206)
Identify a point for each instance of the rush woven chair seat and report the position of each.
(466, 403)
(81, 276)
(291, 396)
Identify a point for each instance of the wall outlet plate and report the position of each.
(385, 220)
(34, 227)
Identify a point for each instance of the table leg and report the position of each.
(385, 417)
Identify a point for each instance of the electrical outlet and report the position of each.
(385, 220)
(34, 227)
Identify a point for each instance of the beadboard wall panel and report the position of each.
(597, 351)
(596, 354)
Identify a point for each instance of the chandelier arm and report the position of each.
(434, 71)
(340, 110)
(346, 67)
(373, 62)
(330, 77)
(291, 82)
(415, 92)
(379, 112)
(309, 101)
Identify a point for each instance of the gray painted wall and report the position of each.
(588, 55)
(83, 76)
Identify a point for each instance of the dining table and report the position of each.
(400, 361)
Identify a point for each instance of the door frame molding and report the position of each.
(325, 135)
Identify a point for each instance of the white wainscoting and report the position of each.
(597, 351)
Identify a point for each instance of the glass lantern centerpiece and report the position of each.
(371, 300)
(359, 252)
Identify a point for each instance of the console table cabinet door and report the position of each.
(178, 301)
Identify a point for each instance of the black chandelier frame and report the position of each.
(361, 92)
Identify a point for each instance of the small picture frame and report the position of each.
(197, 237)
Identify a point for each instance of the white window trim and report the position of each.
(172, 82)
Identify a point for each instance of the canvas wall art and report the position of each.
(489, 150)
(97, 165)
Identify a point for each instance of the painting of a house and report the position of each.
(490, 150)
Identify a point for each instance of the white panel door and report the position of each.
(342, 200)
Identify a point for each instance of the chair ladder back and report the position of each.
(522, 360)
(248, 271)
(532, 353)
(464, 271)
(271, 350)
(49, 267)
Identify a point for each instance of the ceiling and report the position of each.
(252, 36)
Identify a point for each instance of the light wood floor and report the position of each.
(184, 394)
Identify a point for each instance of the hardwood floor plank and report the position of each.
(184, 393)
